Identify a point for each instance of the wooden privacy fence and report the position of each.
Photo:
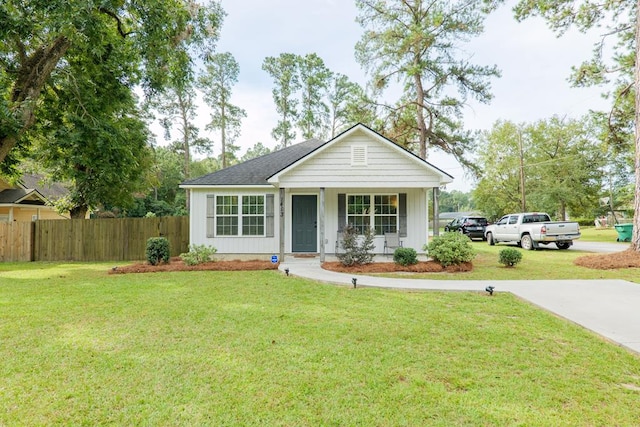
(109, 239)
(16, 241)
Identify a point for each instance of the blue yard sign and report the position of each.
(274, 259)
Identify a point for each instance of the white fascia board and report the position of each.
(225, 187)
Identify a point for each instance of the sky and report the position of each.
(535, 65)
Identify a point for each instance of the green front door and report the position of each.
(304, 223)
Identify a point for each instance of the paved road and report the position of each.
(610, 308)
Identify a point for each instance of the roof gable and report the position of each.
(268, 169)
(26, 196)
(388, 151)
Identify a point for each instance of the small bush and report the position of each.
(405, 256)
(450, 248)
(357, 251)
(198, 254)
(510, 257)
(158, 250)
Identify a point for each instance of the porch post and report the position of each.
(436, 211)
(321, 225)
(281, 233)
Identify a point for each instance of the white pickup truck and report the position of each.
(532, 229)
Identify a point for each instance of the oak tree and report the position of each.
(36, 37)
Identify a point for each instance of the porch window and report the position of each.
(240, 215)
(381, 210)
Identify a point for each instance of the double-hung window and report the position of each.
(379, 211)
(252, 215)
(238, 215)
(226, 215)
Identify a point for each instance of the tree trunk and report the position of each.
(635, 239)
(32, 75)
(79, 212)
(420, 117)
(223, 134)
(186, 137)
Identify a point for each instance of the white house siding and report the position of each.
(386, 167)
(231, 244)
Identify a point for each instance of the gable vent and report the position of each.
(359, 155)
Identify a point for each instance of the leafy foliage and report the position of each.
(561, 161)
(158, 250)
(510, 257)
(217, 81)
(620, 17)
(357, 248)
(417, 44)
(315, 78)
(405, 256)
(198, 254)
(450, 248)
(284, 72)
(47, 35)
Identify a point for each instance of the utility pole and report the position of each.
(524, 203)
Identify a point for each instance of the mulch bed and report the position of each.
(391, 267)
(176, 264)
(626, 259)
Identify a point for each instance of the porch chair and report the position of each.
(391, 242)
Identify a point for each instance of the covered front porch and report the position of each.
(311, 220)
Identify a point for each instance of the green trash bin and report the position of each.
(624, 232)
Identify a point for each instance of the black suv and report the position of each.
(472, 226)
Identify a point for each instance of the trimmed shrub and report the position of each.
(157, 250)
(198, 254)
(357, 249)
(450, 248)
(405, 256)
(510, 257)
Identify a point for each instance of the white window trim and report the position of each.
(371, 214)
(240, 215)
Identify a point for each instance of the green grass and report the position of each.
(543, 264)
(592, 234)
(80, 347)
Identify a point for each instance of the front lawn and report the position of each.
(81, 347)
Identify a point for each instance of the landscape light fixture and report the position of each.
(286, 270)
(354, 281)
(490, 289)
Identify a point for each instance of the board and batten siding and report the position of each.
(417, 235)
(231, 244)
(386, 167)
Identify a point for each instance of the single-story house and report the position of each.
(298, 199)
(29, 200)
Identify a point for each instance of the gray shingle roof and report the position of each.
(51, 190)
(14, 195)
(257, 171)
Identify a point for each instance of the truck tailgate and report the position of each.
(561, 228)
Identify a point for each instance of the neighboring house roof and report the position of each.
(256, 171)
(21, 195)
(264, 170)
(50, 190)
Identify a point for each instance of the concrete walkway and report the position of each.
(610, 308)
